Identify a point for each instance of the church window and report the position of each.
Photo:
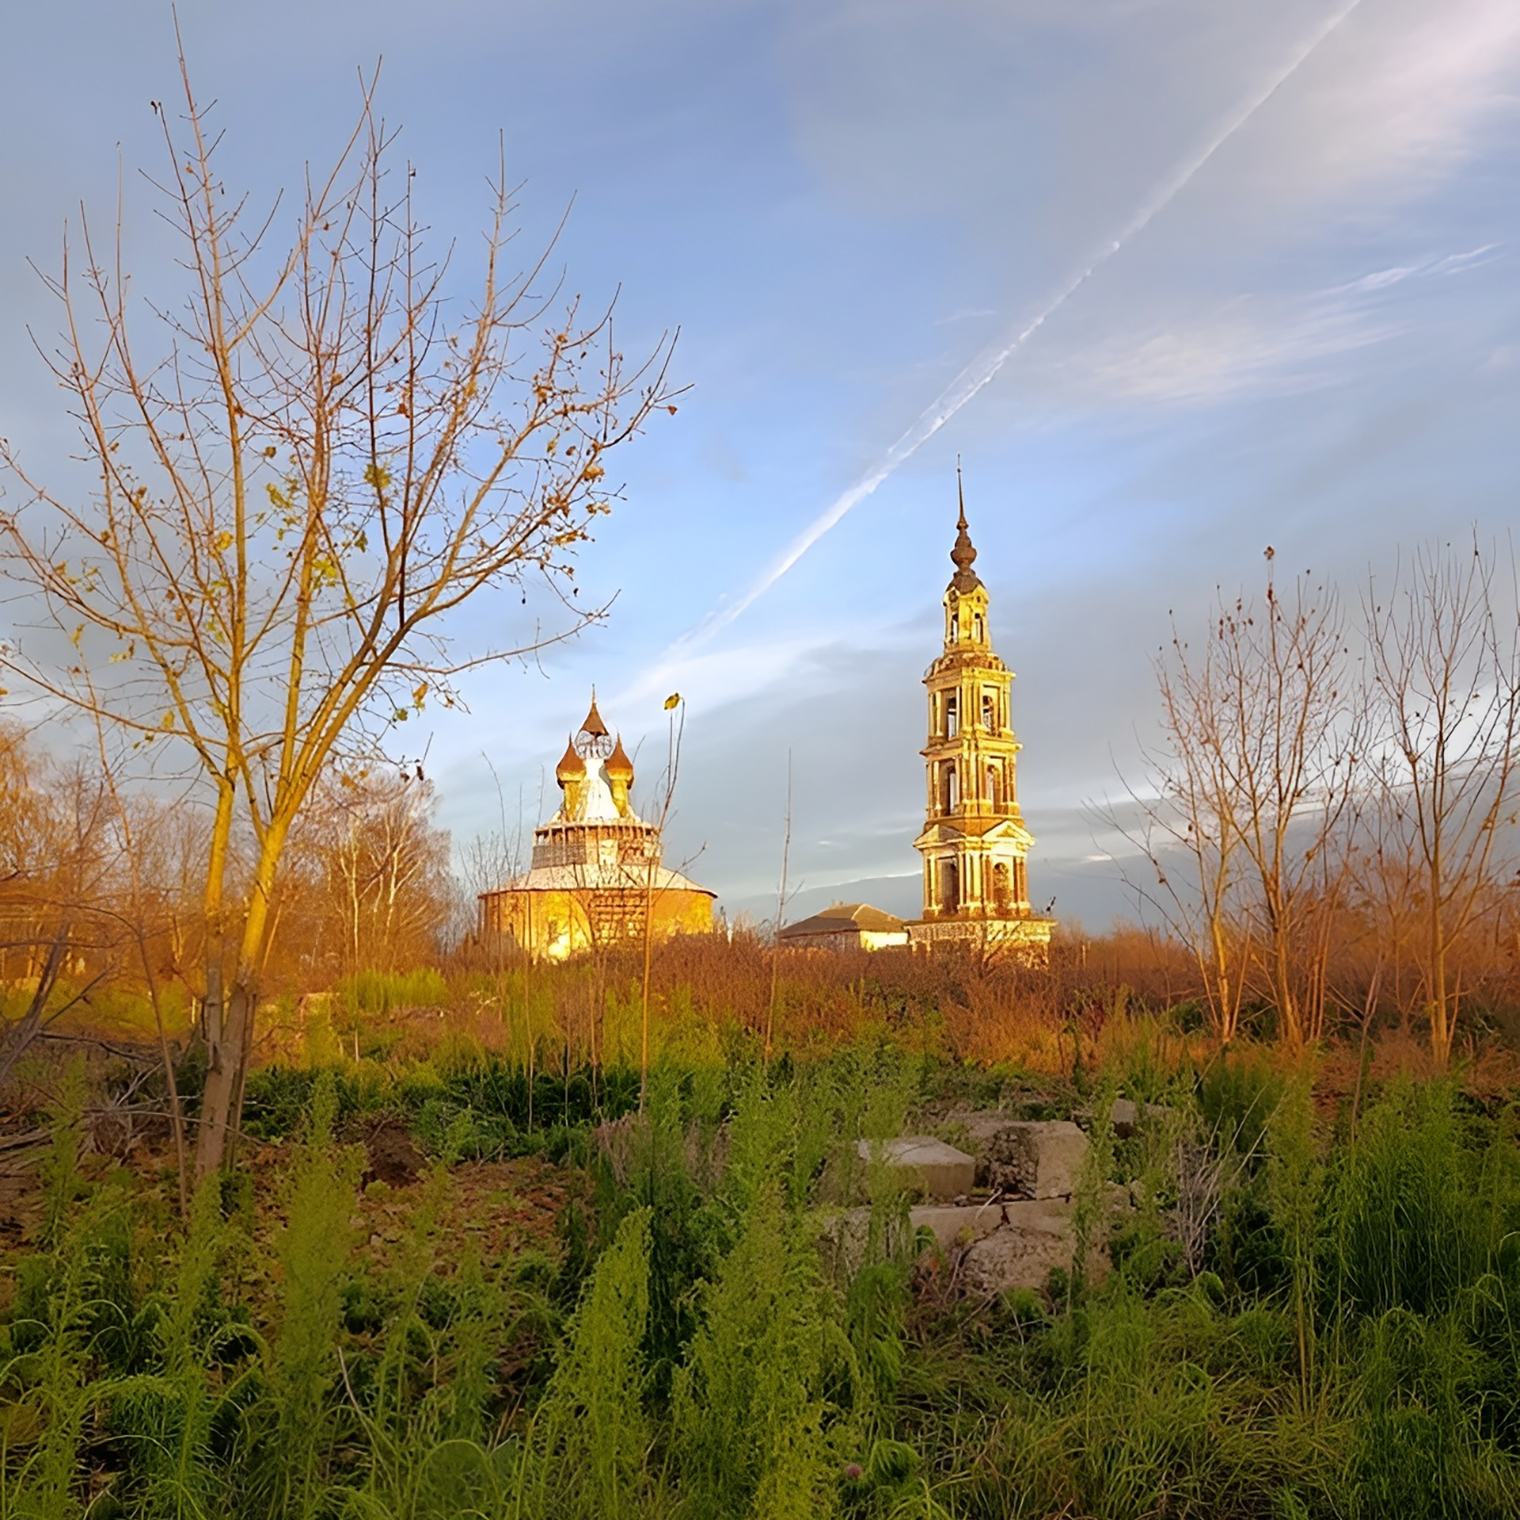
(950, 887)
(1000, 885)
(992, 785)
(951, 791)
(977, 623)
(989, 711)
(952, 716)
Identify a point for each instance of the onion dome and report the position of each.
(571, 767)
(963, 555)
(593, 724)
(619, 767)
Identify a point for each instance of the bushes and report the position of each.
(476, 1105)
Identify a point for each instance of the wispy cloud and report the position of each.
(1260, 345)
(1220, 355)
(1381, 279)
(965, 314)
(985, 368)
(1419, 84)
(713, 679)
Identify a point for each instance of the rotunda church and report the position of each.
(596, 876)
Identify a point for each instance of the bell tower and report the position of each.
(974, 843)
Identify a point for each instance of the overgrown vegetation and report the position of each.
(1301, 1300)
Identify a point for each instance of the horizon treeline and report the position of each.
(1327, 820)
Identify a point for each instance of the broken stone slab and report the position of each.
(998, 1246)
(956, 1225)
(844, 1235)
(1037, 1236)
(928, 1167)
(1028, 1158)
(1125, 1114)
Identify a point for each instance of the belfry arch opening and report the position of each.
(949, 787)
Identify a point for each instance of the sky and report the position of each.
(1176, 280)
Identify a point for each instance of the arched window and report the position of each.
(949, 887)
(1000, 887)
(994, 794)
(952, 715)
(977, 625)
(989, 711)
(950, 789)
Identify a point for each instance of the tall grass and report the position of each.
(169, 1415)
(586, 1455)
(1343, 1342)
(749, 1411)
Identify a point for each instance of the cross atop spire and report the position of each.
(963, 555)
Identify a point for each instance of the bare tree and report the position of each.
(1445, 660)
(786, 856)
(376, 868)
(1187, 834)
(1255, 780)
(309, 466)
(666, 793)
(58, 933)
(1290, 742)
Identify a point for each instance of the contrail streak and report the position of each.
(982, 370)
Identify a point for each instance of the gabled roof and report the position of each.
(844, 918)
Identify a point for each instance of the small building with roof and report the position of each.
(846, 926)
(596, 877)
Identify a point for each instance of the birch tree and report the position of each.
(300, 472)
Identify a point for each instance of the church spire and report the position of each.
(974, 842)
(963, 554)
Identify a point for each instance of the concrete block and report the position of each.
(843, 1237)
(1036, 1237)
(1033, 1158)
(1123, 1116)
(930, 1168)
(1126, 1113)
(957, 1225)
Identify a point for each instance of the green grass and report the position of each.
(1346, 1342)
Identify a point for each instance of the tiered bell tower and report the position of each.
(974, 843)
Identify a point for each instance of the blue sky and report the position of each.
(1315, 343)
